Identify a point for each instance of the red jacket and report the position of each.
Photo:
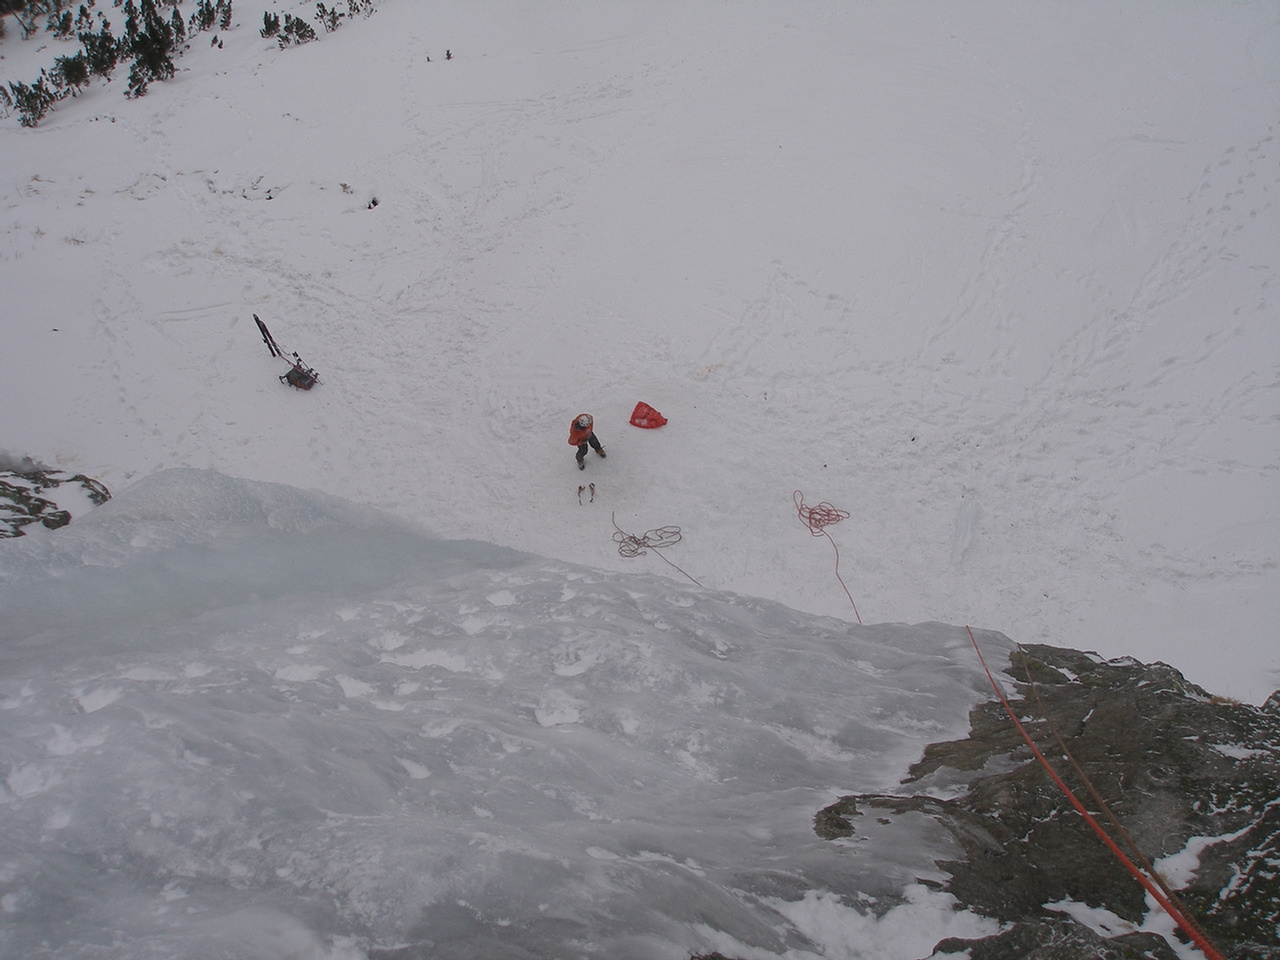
(578, 435)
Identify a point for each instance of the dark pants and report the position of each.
(582, 447)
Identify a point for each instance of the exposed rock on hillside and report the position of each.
(1182, 772)
(30, 493)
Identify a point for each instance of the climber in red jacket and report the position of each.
(582, 434)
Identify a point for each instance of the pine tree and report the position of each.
(151, 41)
(203, 17)
(71, 73)
(296, 31)
(329, 17)
(32, 101)
(101, 50)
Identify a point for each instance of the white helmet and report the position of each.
(584, 421)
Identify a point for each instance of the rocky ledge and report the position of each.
(1181, 772)
(31, 493)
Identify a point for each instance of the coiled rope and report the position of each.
(633, 546)
(817, 519)
(1179, 917)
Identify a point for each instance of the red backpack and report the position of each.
(645, 416)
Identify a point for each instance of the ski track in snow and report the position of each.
(999, 287)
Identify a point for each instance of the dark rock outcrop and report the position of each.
(30, 494)
(1174, 765)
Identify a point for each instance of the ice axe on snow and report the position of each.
(299, 375)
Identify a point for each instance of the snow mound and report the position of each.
(276, 718)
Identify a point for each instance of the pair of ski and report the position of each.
(589, 486)
(300, 375)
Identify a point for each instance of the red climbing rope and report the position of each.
(1178, 916)
(817, 519)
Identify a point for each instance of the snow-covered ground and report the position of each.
(995, 280)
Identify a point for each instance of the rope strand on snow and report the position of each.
(1178, 916)
(817, 519)
(633, 546)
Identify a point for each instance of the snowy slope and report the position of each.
(239, 720)
(996, 280)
